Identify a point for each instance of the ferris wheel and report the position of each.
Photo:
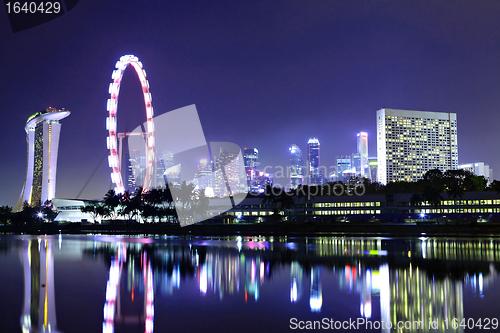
(114, 158)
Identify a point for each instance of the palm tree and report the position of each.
(132, 204)
(91, 208)
(416, 200)
(152, 199)
(111, 201)
(433, 196)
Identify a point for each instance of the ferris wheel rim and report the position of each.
(111, 121)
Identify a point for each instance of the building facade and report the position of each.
(362, 145)
(478, 169)
(410, 143)
(372, 167)
(42, 136)
(315, 176)
(251, 161)
(343, 168)
(228, 177)
(296, 176)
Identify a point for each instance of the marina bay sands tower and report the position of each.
(42, 135)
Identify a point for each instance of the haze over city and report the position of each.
(262, 74)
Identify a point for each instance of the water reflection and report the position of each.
(395, 280)
(112, 307)
(39, 309)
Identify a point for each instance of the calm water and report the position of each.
(250, 284)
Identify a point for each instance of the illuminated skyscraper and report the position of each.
(251, 160)
(372, 168)
(363, 154)
(203, 179)
(315, 176)
(296, 176)
(228, 172)
(42, 135)
(343, 168)
(410, 143)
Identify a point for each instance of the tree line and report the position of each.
(154, 205)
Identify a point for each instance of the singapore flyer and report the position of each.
(111, 122)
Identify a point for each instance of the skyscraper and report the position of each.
(251, 160)
(363, 154)
(296, 176)
(315, 176)
(343, 167)
(372, 168)
(203, 179)
(410, 143)
(42, 135)
(227, 175)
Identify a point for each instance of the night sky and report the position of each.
(264, 74)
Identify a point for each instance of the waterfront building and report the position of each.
(42, 135)
(478, 169)
(410, 143)
(296, 176)
(472, 206)
(315, 175)
(362, 146)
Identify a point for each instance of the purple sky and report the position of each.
(263, 74)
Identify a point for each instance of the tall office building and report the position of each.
(251, 161)
(296, 176)
(363, 154)
(410, 143)
(372, 168)
(227, 175)
(42, 135)
(251, 158)
(203, 179)
(356, 164)
(343, 168)
(315, 176)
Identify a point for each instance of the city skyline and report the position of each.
(261, 75)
